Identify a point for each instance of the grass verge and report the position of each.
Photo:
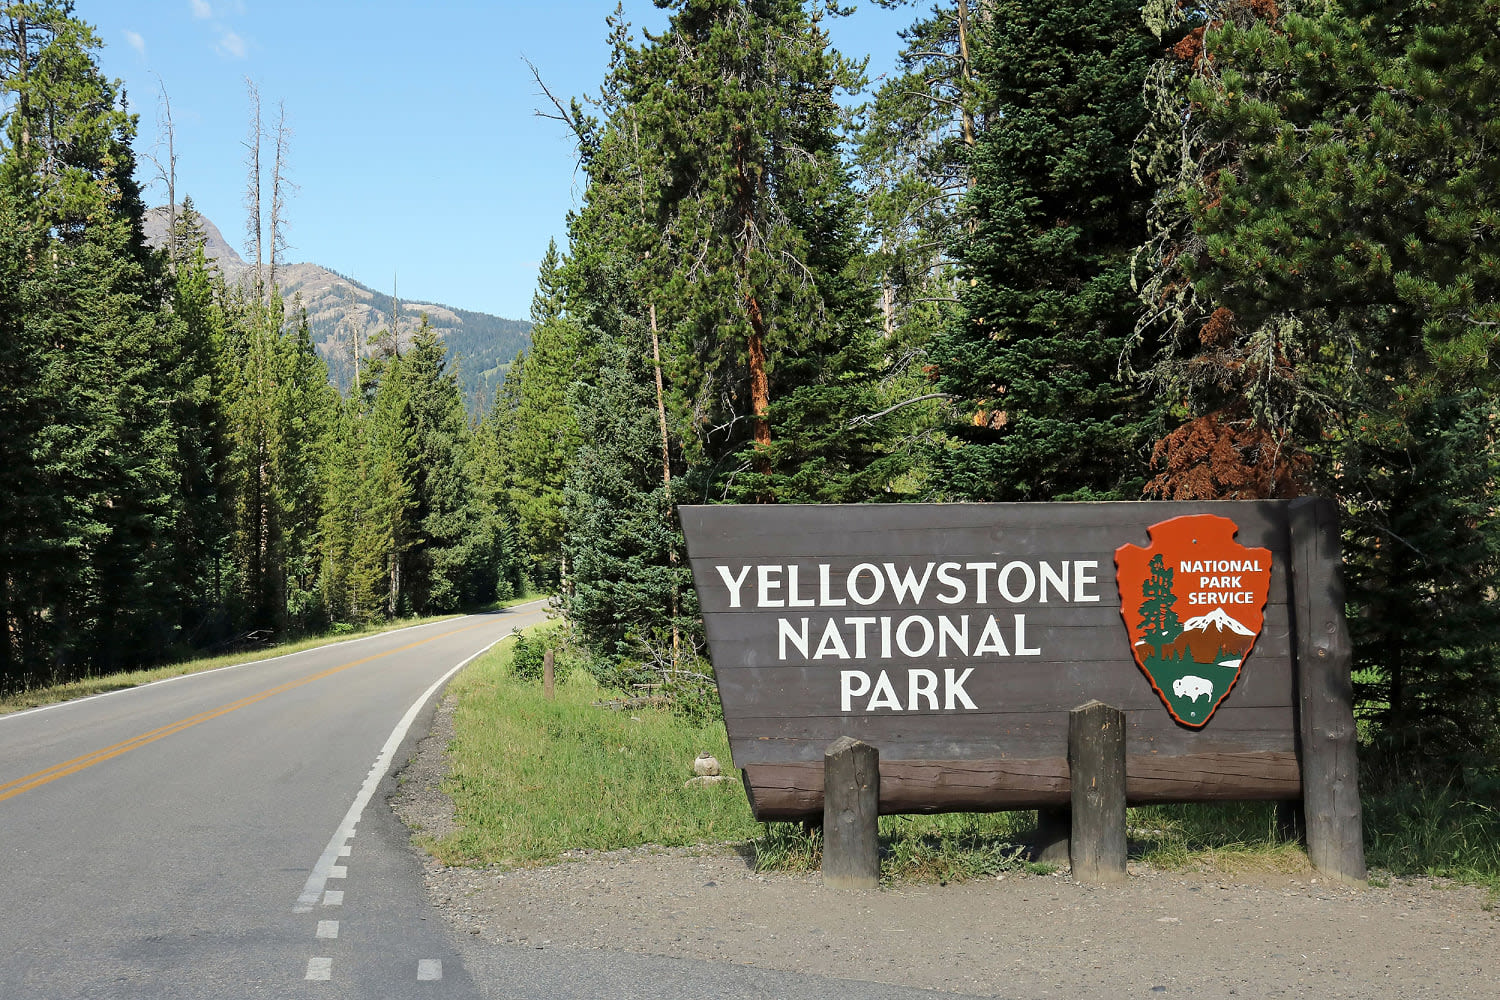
(531, 778)
(949, 847)
(1417, 829)
(88, 686)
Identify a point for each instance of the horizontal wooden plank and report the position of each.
(795, 791)
(1013, 686)
(1005, 736)
(761, 531)
(1039, 592)
(1098, 635)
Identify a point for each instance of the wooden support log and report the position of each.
(851, 813)
(1053, 830)
(548, 676)
(1096, 765)
(1325, 691)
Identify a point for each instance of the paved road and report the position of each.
(197, 837)
(226, 835)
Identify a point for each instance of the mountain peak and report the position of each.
(343, 313)
(1218, 618)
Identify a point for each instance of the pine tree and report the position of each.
(451, 565)
(390, 475)
(1051, 222)
(619, 545)
(304, 409)
(89, 568)
(541, 430)
(1339, 253)
(721, 210)
(1159, 624)
(202, 531)
(496, 533)
(349, 588)
(912, 166)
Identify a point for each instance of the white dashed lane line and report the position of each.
(326, 868)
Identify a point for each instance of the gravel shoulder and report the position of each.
(1196, 933)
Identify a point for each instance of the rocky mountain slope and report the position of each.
(341, 312)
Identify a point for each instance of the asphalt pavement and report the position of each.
(227, 835)
(163, 841)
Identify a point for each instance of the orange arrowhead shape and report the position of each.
(1194, 603)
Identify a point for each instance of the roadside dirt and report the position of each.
(1197, 933)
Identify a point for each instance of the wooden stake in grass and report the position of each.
(851, 813)
(1096, 770)
(548, 676)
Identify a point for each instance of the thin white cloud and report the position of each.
(231, 44)
(201, 10)
(134, 39)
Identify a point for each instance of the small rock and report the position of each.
(704, 779)
(706, 766)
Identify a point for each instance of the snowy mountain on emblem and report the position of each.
(1219, 620)
(1211, 638)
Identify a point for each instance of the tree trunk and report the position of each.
(760, 386)
(666, 477)
(252, 187)
(755, 346)
(278, 197)
(968, 79)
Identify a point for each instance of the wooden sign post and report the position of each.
(956, 640)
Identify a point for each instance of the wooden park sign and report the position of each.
(957, 638)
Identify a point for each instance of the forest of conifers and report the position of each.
(1068, 251)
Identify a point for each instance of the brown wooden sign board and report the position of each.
(955, 638)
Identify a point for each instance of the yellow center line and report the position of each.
(13, 788)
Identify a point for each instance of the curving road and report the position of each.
(199, 837)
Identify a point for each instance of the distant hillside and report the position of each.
(480, 346)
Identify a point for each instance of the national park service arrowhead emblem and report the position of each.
(1193, 603)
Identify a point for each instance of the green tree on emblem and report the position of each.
(1159, 624)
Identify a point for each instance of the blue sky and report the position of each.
(415, 148)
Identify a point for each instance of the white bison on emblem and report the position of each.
(1192, 687)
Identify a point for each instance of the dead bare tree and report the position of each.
(166, 170)
(252, 187)
(280, 188)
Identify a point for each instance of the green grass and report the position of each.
(531, 779)
(948, 847)
(88, 686)
(1420, 829)
(1227, 837)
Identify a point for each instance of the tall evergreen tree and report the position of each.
(767, 324)
(390, 476)
(1051, 222)
(89, 575)
(912, 162)
(542, 433)
(453, 563)
(202, 532)
(619, 545)
(304, 410)
(1333, 300)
